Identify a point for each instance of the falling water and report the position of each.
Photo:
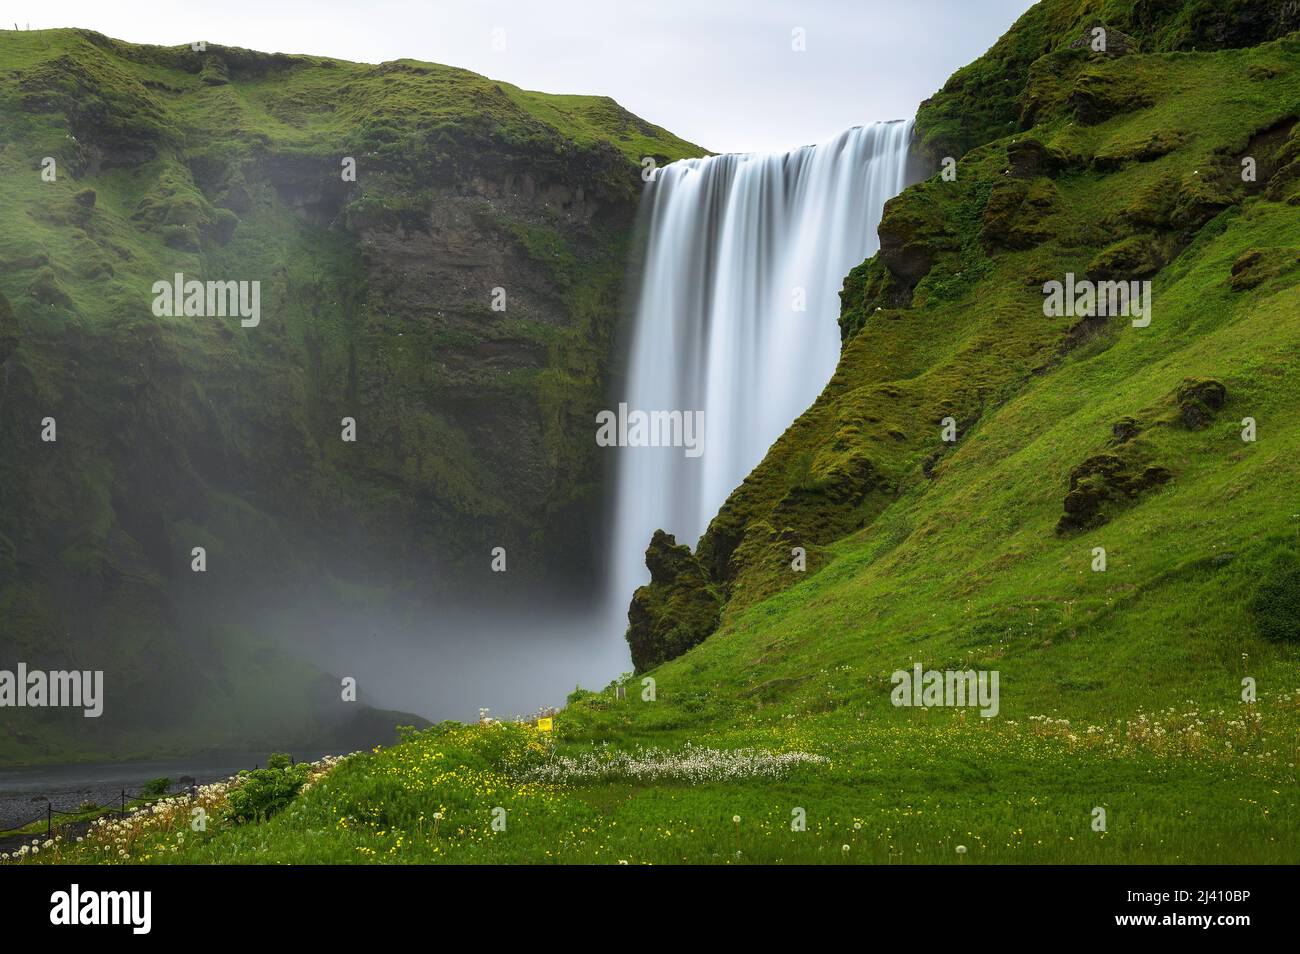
(734, 243)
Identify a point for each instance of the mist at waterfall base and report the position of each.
(727, 240)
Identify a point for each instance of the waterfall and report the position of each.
(736, 317)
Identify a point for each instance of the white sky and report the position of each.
(720, 73)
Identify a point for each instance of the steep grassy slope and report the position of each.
(986, 100)
(1121, 689)
(473, 424)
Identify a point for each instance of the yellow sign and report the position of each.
(544, 725)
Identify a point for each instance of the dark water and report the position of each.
(23, 791)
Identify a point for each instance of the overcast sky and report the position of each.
(721, 73)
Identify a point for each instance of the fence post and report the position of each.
(123, 801)
(49, 819)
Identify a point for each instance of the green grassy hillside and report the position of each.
(1121, 689)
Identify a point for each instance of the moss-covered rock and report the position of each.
(1106, 479)
(1144, 148)
(1019, 214)
(1256, 266)
(679, 608)
(1199, 399)
(1029, 158)
(1204, 192)
(1098, 94)
(1135, 257)
(46, 290)
(912, 235)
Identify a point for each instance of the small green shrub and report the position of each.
(155, 787)
(266, 791)
(578, 694)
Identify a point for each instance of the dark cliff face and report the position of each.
(517, 388)
(456, 299)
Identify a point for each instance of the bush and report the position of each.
(578, 694)
(265, 791)
(1276, 605)
(155, 788)
(279, 760)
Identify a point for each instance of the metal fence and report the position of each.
(98, 812)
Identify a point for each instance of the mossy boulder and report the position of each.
(913, 231)
(1099, 94)
(1204, 192)
(45, 288)
(1262, 72)
(1144, 148)
(1152, 206)
(1199, 399)
(1019, 214)
(1124, 430)
(676, 610)
(1256, 266)
(1029, 158)
(1103, 479)
(1138, 256)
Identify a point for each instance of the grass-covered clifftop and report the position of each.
(377, 295)
(1161, 686)
(990, 98)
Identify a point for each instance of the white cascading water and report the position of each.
(734, 241)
